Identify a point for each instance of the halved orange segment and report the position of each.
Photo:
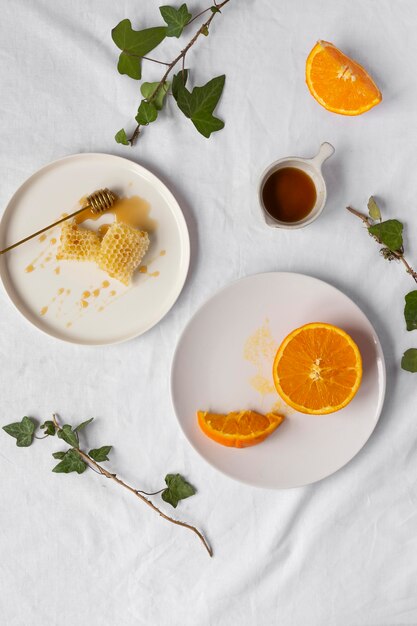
(238, 429)
(339, 83)
(317, 369)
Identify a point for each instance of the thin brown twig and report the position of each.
(203, 28)
(101, 470)
(398, 255)
(155, 60)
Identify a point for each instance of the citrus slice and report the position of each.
(338, 83)
(238, 429)
(317, 369)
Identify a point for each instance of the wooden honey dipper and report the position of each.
(98, 202)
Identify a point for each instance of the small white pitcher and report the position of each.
(312, 167)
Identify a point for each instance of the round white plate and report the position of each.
(223, 362)
(50, 296)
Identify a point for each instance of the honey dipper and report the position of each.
(98, 202)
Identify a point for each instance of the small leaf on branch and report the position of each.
(148, 89)
(22, 431)
(121, 137)
(373, 209)
(215, 9)
(176, 19)
(49, 428)
(177, 489)
(147, 113)
(389, 233)
(410, 310)
(199, 104)
(58, 455)
(100, 454)
(134, 45)
(130, 65)
(67, 434)
(205, 31)
(71, 462)
(179, 80)
(83, 425)
(409, 360)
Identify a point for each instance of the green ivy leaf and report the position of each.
(147, 113)
(58, 455)
(121, 137)
(389, 233)
(22, 431)
(179, 80)
(100, 454)
(177, 489)
(215, 9)
(373, 208)
(83, 425)
(409, 360)
(67, 434)
(134, 45)
(148, 89)
(199, 104)
(49, 427)
(130, 65)
(176, 19)
(410, 310)
(71, 462)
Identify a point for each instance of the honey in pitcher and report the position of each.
(289, 194)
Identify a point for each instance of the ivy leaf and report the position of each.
(67, 434)
(205, 31)
(83, 425)
(100, 454)
(373, 208)
(22, 431)
(409, 360)
(177, 489)
(49, 427)
(71, 462)
(390, 233)
(215, 9)
(410, 310)
(179, 80)
(121, 137)
(134, 45)
(58, 455)
(130, 65)
(147, 113)
(148, 89)
(176, 19)
(199, 104)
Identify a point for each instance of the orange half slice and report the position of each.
(339, 83)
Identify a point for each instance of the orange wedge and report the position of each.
(317, 369)
(338, 83)
(238, 429)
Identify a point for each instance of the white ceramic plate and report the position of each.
(223, 362)
(52, 301)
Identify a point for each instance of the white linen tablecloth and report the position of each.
(78, 549)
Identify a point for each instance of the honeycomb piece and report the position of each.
(122, 249)
(77, 244)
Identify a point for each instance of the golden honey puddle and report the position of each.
(134, 211)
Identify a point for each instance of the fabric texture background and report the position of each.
(78, 549)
